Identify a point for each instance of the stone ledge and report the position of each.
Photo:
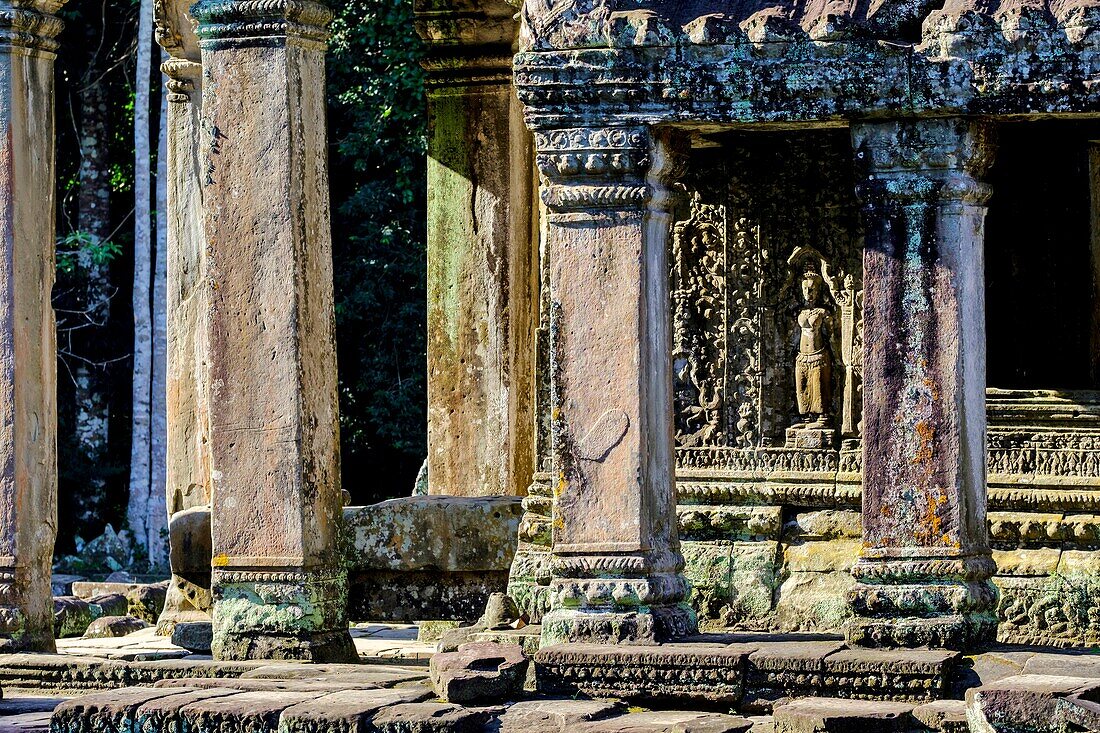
(744, 672)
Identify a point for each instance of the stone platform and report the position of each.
(747, 671)
(710, 684)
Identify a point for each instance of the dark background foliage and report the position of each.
(377, 138)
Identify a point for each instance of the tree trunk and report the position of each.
(158, 511)
(141, 493)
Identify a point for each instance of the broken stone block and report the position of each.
(1025, 703)
(62, 584)
(669, 721)
(473, 541)
(71, 616)
(831, 715)
(147, 601)
(107, 627)
(111, 604)
(479, 671)
(943, 716)
(1082, 709)
(194, 636)
(429, 717)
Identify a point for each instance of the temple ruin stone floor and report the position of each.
(712, 684)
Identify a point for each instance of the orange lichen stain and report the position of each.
(952, 543)
(925, 433)
(220, 560)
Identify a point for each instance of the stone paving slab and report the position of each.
(26, 723)
(1035, 703)
(831, 715)
(346, 711)
(244, 711)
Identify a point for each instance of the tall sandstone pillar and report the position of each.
(188, 456)
(28, 342)
(923, 576)
(279, 585)
(482, 263)
(616, 558)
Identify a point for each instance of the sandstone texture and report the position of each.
(113, 626)
(194, 636)
(479, 671)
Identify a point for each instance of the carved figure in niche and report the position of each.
(813, 368)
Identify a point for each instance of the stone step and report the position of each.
(750, 675)
(1035, 703)
(400, 710)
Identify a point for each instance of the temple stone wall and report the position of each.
(770, 522)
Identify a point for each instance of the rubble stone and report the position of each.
(106, 627)
(1026, 703)
(943, 716)
(72, 616)
(194, 636)
(479, 671)
(147, 601)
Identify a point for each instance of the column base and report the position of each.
(956, 632)
(291, 615)
(320, 647)
(184, 603)
(939, 601)
(643, 625)
(16, 637)
(26, 612)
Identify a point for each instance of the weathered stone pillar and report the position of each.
(923, 576)
(188, 456)
(28, 343)
(280, 588)
(616, 556)
(482, 265)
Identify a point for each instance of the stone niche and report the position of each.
(769, 498)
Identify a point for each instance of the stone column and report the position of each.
(280, 587)
(188, 459)
(616, 556)
(923, 576)
(28, 344)
(482, 264)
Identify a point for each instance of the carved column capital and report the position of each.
(593, 172)
(32, 27)
(229, 23)
(175, 32)
(907, 161)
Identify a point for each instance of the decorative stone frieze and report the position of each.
(481, 255)
(279, 585)
(28, 401)
(923, 575)
(616, 558)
